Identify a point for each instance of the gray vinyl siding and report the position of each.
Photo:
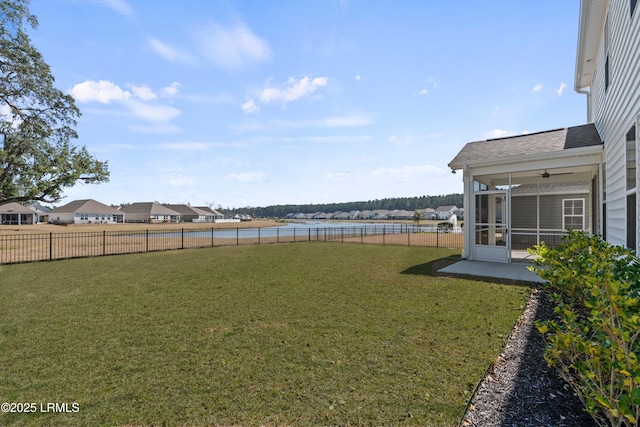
(616, 109)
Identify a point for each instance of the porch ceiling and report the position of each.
(539, 176)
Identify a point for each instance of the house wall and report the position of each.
(77, 218)
(615, 110)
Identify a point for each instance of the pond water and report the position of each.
(299, 229)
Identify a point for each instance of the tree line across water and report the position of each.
(403, 203)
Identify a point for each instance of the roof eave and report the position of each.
(520, 158)
(592, 15)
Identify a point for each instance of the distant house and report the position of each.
(16, 214)
(365, 214)
(379, 214)
(444, 212)
(192, 214)
(87, 211)
(341, 215)
(400, 214)
(150, 212)
(214, 214)
(42, 212)
(322, 215)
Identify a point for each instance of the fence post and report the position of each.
(277, 234)
(258, 235)
(309, 233)
(147, 239)
(384, 229)
(211, 236)
(408, 237)
(182, 238)
(437, 237)
(294, 235)
(361, 235)
(237, 236)
(50, 246)
(104, 242)
(341, 234)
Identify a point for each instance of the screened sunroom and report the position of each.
(523, 190)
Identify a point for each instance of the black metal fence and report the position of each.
(17, 248)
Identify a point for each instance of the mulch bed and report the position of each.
(520, 389)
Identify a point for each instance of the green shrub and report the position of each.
(595, 343)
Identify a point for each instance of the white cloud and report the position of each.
(153, 112)
(186, 146)
(357, 76)
(336, 176)
(143, 93)
(408, 172)
(171, 54)
(102, 91)
(160, 129)
(120, 6)
(247, 176)
(232, 47)
(423, 92)
(250, 107)
(144, 107)
(537, 88)
(435, 83)
(294, 90)
(498, 133)
(172, 89)
(348, 121)
(561, 89)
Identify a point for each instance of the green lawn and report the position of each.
(290, 334)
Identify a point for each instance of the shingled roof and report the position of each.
(149, 208)
(550, 141)
(88, 206)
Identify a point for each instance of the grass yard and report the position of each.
(289, 335)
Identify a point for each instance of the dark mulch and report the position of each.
(520, 389)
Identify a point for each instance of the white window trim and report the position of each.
(564, 213)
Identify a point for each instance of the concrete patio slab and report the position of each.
(512, 271)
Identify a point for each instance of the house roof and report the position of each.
(592, 17)
(15, 208)
(38, 207)
(86, 206)
(149, 208)
(557, 140)
(209, 211)
(188, 210)
(446, 208)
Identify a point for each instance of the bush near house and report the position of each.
(596, 340)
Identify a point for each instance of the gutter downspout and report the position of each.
(588, 93)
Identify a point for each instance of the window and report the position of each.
(631, 158)
(631, 221)
(631, 150)
(573, 214)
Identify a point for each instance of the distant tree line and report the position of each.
(404, 203)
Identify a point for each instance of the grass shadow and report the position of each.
(431, 268)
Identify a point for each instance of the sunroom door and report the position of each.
(492, 242)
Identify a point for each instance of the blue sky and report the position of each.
(254, 103)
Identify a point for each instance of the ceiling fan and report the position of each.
(546, 174)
